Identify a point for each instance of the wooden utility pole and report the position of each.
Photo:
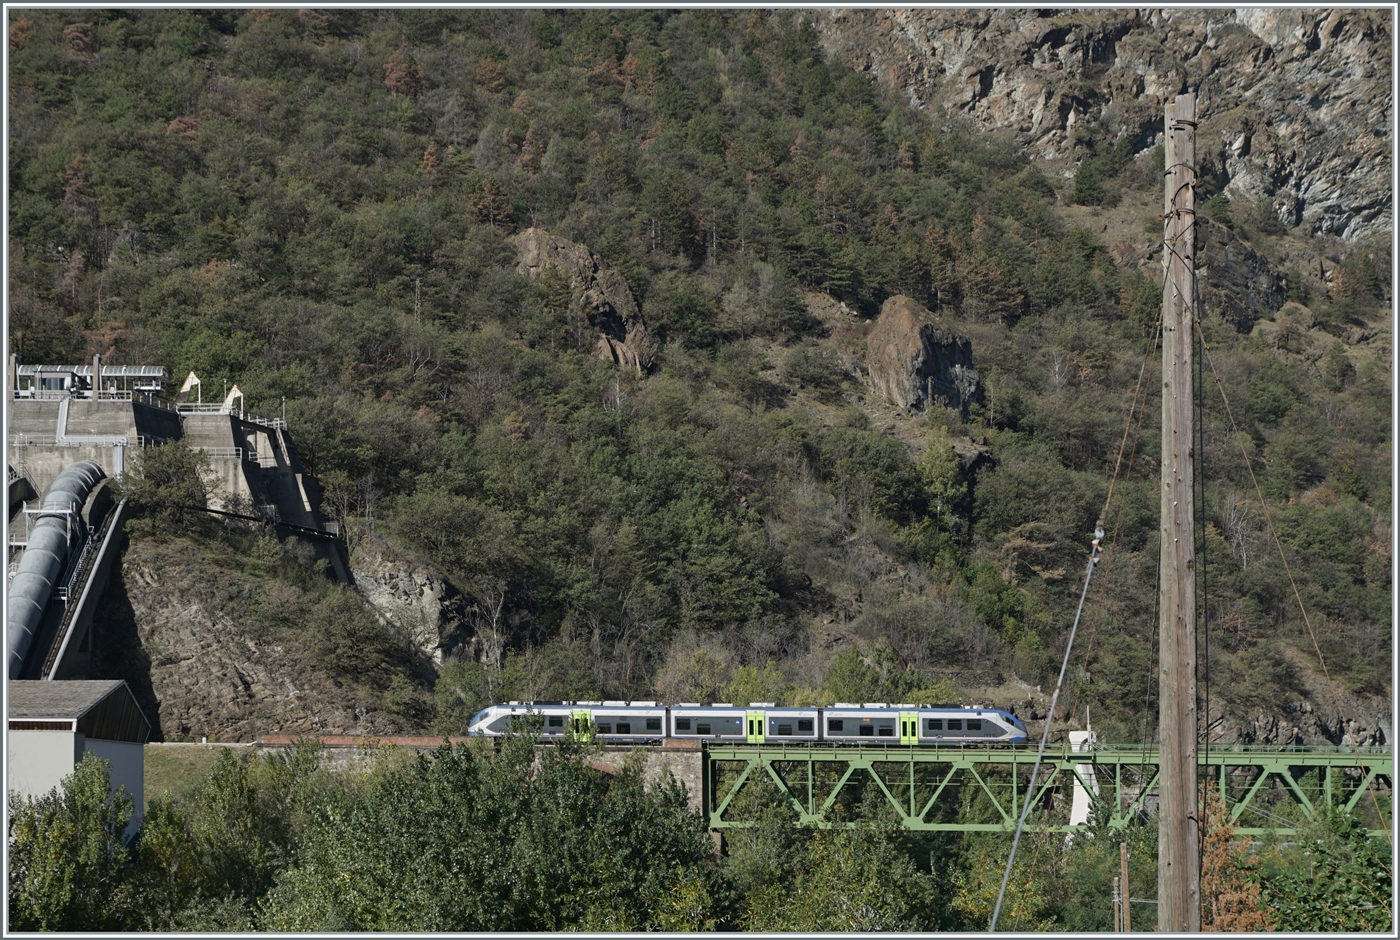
(1117, 907)
(1178, 854)
(1127, 923)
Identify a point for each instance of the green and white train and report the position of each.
(756, 723)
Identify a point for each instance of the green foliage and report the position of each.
(848, 881)
(940, 472)
(166, 489)
(474, 840)
(349, 643)
(877, 676)
(1347, 885)
(66, 856)
(1217, 207)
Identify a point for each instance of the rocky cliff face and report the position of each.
(599, 293)
(915, 360)
(1236, 283)
(410, 598)
(201, 665)
(1295, 104)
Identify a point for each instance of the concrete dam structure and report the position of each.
(73, 431)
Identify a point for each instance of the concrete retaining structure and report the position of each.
(684, 760)
(256, 469)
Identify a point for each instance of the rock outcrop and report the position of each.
(1237, 283)
(196, 648)
(411, 599)
(915, 360)
(1295, 103)
(599, 293)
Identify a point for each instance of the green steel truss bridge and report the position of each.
(1268, 790)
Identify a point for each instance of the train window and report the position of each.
(785, 729)
(933, 724)
(835, 724)
(974, 724)
(624, 727)
(954, 724)
(501, 724)
(682, 724)
(867, 731)
(653, 724)
(804, 726)
(702, 728)
(603, 727)
(555, 721)
(887, 730)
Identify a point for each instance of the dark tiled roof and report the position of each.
(103, 708)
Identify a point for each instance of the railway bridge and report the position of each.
(1267, 790)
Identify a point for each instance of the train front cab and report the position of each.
(968, 726)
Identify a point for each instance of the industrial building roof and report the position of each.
(103, 709)
(138, 372)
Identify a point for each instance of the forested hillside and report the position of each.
(316, 205)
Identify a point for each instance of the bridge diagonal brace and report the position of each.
(1239, 808)
(1308, 808)
(1133, 808)
(836, 790)
(718, 814)
(952, 770)
(784, 789)
(898, 808)
(1006, 817)
(1090, 788)
(1367, 781)
(1052, 780)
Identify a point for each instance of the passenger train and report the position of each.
(756, 723)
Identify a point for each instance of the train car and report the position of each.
(495, 721)
(954, 725)
(634, 722)
(718, 722)
(872, 723)
(757, 723)
(621, 721)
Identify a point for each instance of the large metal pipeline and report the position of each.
(50, 540)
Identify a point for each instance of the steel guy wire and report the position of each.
(1045, 734)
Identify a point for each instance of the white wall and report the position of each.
(127, 766)
(38, 760)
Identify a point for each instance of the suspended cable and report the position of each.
(1133, 432)
(1049, 720)
(1278, 543)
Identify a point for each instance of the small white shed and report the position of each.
(53, 723)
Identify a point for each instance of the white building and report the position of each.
(52, 724)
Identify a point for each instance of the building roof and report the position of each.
(142, 372)
(103, 709)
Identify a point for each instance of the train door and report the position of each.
(583, 725)
(755, 729)
(908, 727)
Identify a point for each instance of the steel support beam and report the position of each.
(970, 789)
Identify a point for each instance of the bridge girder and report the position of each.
(933, 789)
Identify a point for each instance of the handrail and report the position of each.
(218, 408)
(81, 572)
(187, 407)
(58, 394)
(25, 440)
